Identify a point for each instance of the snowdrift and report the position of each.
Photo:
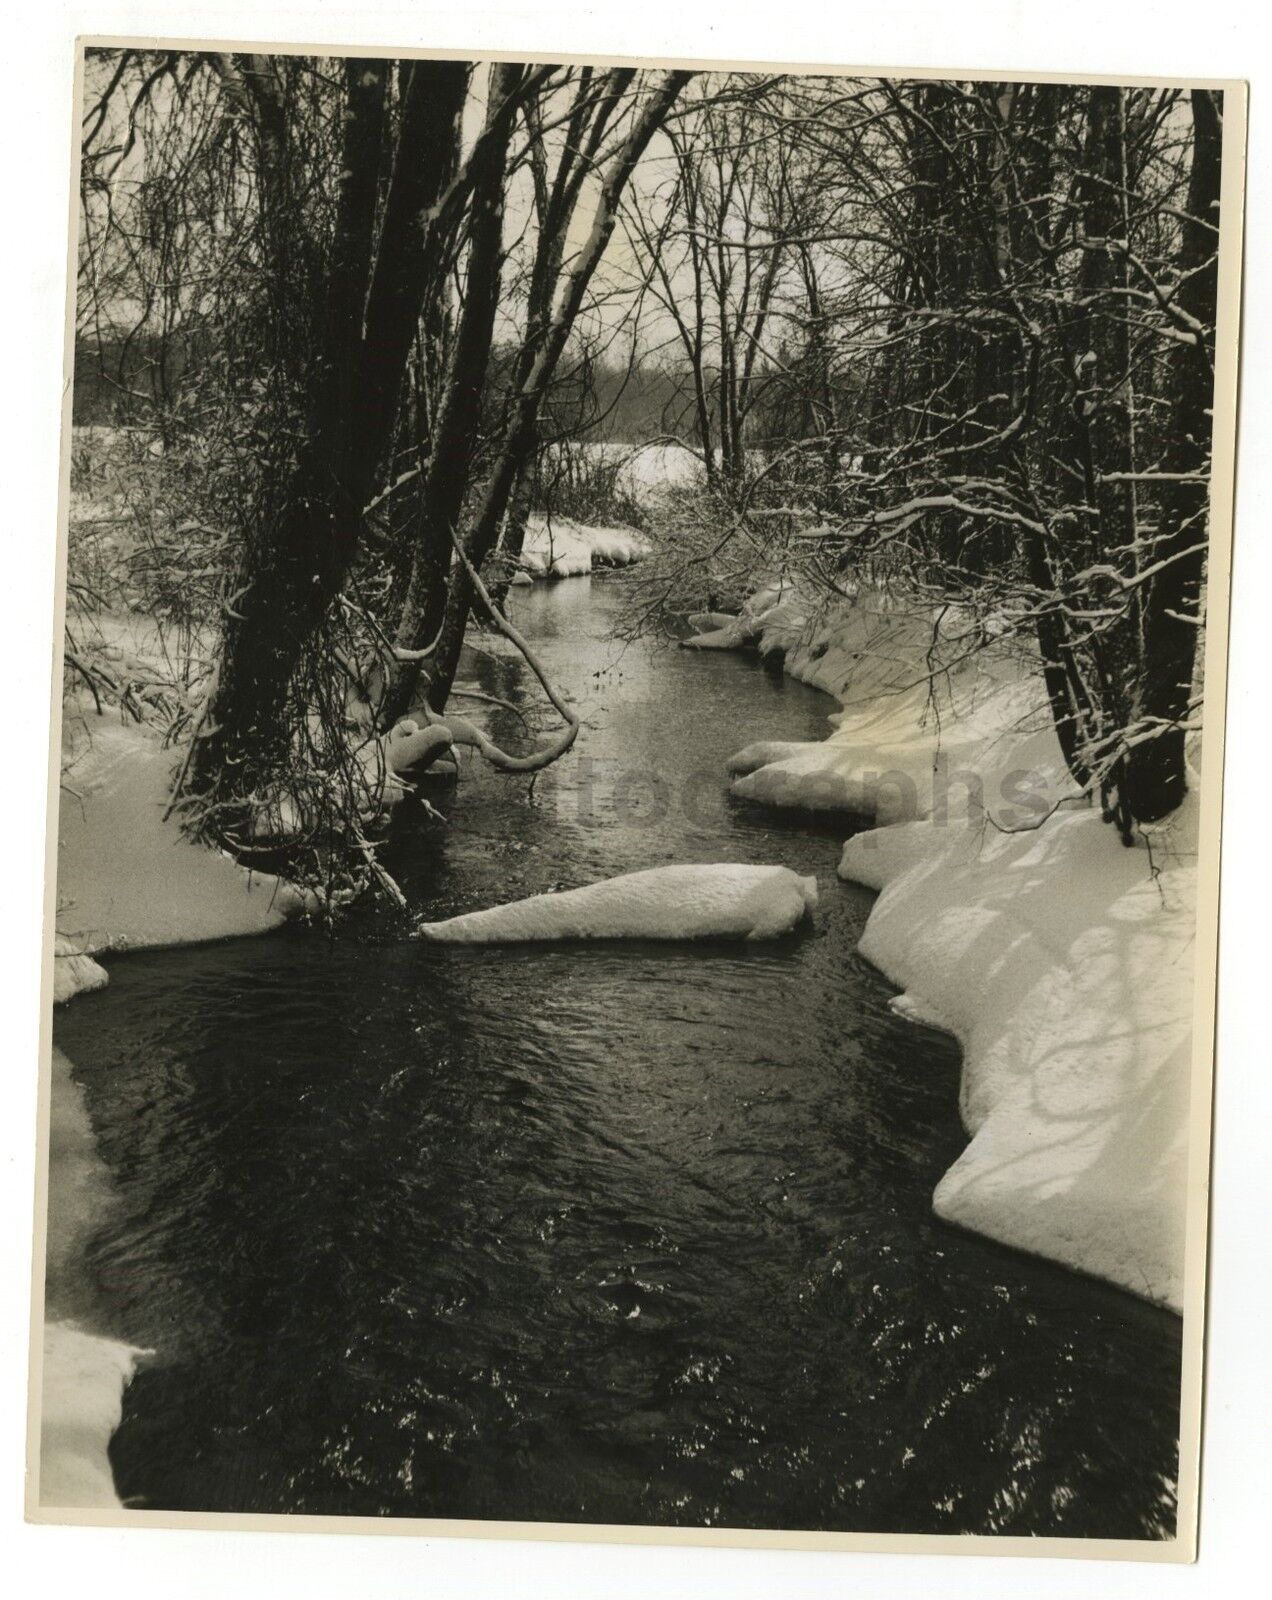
(563, 548)
(1064, 969)
(83, 1386)
(1010, 915)
(126, 879)
(680, 902)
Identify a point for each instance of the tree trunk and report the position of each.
(304, 549)
(1155, 771)
(519, 433)
(455, 434)
(515, 525)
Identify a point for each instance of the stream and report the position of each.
(628, 1233)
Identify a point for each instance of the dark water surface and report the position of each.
(636, 1233)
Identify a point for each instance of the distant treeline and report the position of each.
(117, 380)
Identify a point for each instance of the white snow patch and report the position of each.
(720, 901)
(83, 1385)
(84, 1372)
(705, 621)
(653, 469)
(774, 618)
(73, 971)
(1064, 968)
(563, 548)
(933, 722)
(646, 471)
(128, 879)
(919, 1011)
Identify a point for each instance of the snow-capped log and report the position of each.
(716, 901)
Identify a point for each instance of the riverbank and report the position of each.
(84, 1370)
(1045, 953)
(1012, 917)
(127, 879)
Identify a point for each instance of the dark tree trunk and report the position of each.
(520, 431)
(516, 522)
(303, 552)
(455, 433)
(1155, 777)
(1094, 401)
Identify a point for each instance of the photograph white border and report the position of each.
(472, 44)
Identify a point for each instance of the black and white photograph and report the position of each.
(637, 747)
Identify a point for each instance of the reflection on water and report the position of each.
(625, 1234)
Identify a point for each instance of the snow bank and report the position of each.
(73, 972)
(128, 879)
(83, 1385)
(84, 1372)
(562, 548)
(680, 902)
(1011, 916)
(1064, 968)
(935, 720)
(79, 1190)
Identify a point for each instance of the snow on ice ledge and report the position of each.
(125, 879)
(82, 1400)
(929, 712)
(73, 972)
(717, 901)
(85, 1372)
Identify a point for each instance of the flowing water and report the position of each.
(637, 1233)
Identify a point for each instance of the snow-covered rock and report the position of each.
(773, 620)
(706, 621)
(1064, 966)
(721, 901)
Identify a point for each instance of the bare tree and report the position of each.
(1008, 311)
(517, 437)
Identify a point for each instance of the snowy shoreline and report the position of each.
(127, 879)
(84, 1370)
(1012, 917)
(559, 547)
